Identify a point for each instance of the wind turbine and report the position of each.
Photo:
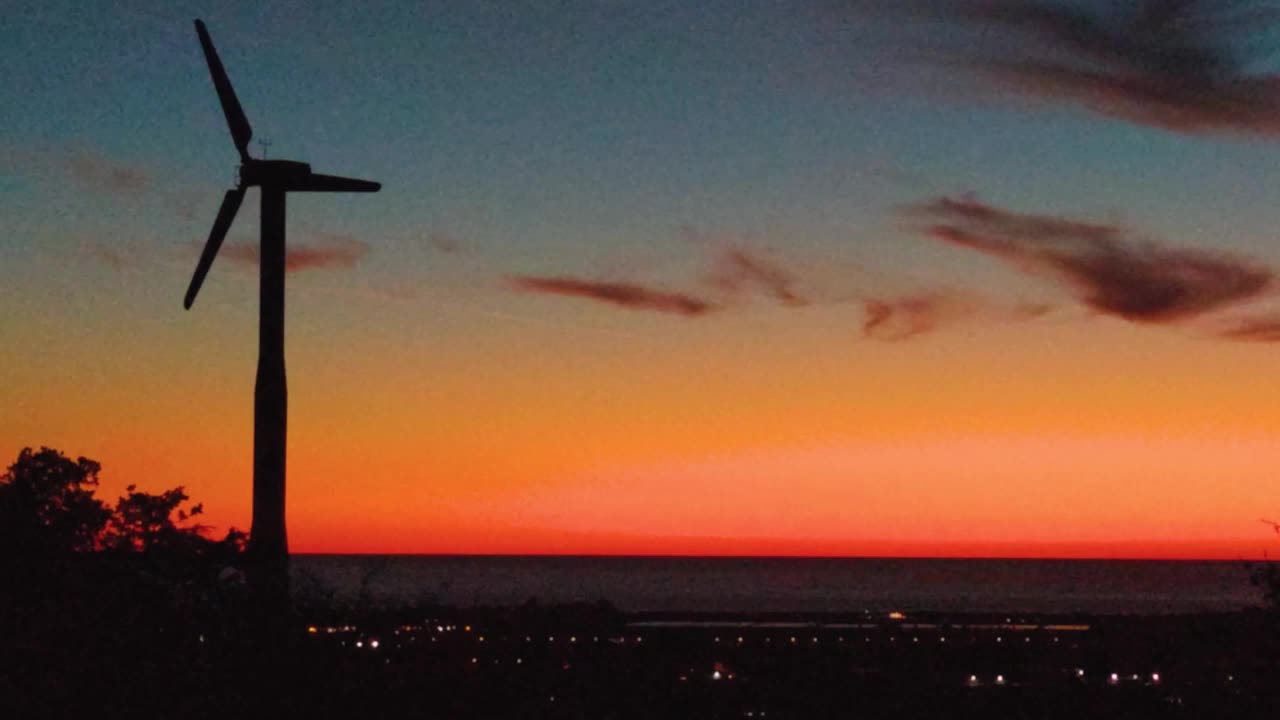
(268, 551)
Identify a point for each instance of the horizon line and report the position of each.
(682, 556)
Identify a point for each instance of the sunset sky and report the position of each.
(722, 277)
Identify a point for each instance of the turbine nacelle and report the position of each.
(273, 172)
(294, 176)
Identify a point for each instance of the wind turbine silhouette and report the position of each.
(268, 551)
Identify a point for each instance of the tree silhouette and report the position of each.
(110, 595)
(55, 535)
(47, 503)
(143, 521)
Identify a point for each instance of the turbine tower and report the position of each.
(268, 552)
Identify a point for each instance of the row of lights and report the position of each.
(1112, 679)
(866, 639)
(718, 674)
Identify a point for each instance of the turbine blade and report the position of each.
(315, 182)
(241, 133)
(226, 213)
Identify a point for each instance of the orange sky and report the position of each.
(521, 437)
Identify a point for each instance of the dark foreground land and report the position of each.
(593, 662)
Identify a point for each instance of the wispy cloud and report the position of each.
(443, 242)
(1105, 266)
(328, 251)
(115, 258)
(907, 316)
(731, 269)
(738, 263)
(1255, 329)
(1030, 310)
(735, 269)
(626, 295)
(99, 173)
(185, 203)
(1181, 65)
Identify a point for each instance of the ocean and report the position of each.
(753, 585)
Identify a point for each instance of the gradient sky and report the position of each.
(660, 277)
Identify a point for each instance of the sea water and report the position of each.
(752, 585)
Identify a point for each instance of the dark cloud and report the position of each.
(1181, 65)
(1256, 329)
(626, 295)
(100, 174)
(1109, 271)
(735, 269)
(329, 251)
